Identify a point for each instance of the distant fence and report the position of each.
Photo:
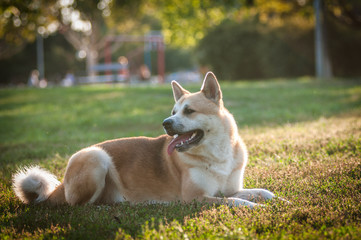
(114, 72)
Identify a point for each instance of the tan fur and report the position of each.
(139, 169)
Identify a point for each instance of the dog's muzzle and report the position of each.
(182, 140)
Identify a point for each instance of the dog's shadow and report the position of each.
(134, 219)
(100, 221)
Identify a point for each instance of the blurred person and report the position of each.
(69, 80)
(123, 72)
(33, 80)
(144, 73)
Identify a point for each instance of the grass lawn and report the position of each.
(304, 140)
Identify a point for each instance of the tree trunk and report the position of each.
(91, 61)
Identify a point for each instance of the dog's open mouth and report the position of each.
(183, 141)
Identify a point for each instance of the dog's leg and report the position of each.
(112, 189)
(192, 192)
(231, 201)
(84, 179)
(254, 195)
(236, 202)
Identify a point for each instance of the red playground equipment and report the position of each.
(152, 41)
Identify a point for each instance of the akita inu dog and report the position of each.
(202, 158)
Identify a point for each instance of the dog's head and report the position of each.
(195, 115)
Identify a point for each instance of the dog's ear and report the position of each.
(211, 88)
(178, 91)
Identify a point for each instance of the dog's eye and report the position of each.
(173, 112)
(188, 111)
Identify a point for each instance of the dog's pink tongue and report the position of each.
(176, 141)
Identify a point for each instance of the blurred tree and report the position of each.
(185, 22)
(273, 26)
(20, 20)
(275, 38)
(250, 49)
(87, 23)
(59, 58)
(343, 20)
(347, 12)
(259, 40)
(84, 23)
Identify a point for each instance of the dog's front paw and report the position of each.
(236, 202)
(266, 195)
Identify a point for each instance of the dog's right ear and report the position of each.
(211, 88)
(178, 91)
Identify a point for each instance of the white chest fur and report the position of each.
(211, 177)
(208, 181)
(218, 171)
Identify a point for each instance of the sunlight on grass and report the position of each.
(304, 141)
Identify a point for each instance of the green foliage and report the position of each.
(236, 38)
(19, 20)
(346, 12)
(251, 49)
(344, 51)
(303, 137)
(178, 59)
(185, 21)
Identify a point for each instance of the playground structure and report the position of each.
(119, 71)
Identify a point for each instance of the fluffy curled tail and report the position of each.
(33, 184)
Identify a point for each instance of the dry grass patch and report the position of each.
(317, 167)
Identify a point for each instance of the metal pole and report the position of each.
(147, 55)
(161, 67)
(108, 55)
(40, 56)
(318, 40)
(322, 61)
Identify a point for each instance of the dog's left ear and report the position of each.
(178, 91)
(211, 88)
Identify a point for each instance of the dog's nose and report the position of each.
(167, 123)
(168, 126)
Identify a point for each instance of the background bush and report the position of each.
(251, 49)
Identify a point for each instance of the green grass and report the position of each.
(304, 140)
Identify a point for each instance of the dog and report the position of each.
(201, 157)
